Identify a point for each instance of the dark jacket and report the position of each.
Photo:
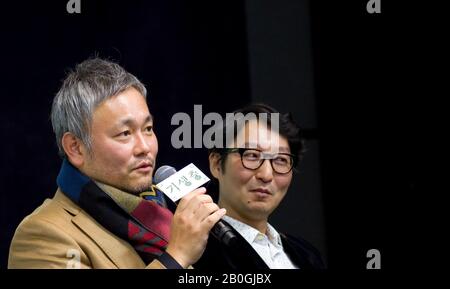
(241, 256)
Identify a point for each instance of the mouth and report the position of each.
(261, 192)
(144, 167)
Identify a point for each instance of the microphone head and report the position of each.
(163, 173)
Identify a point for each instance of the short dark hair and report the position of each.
(288, 129)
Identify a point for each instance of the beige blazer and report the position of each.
(59, 234)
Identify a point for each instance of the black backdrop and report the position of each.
(196, 52)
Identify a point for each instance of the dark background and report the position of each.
(342, 72)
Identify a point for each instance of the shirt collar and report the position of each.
(273, 236)
(250, 234)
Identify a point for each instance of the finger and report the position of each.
(195, 202)
(198, 201)
(205, 210)
(212, 219)
(185, 200)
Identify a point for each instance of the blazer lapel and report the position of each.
(118, 251)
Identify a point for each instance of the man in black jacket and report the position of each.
(254, 172)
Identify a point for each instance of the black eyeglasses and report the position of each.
(253, 159)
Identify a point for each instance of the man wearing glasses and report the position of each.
(253, 179)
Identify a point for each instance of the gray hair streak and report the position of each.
(83, 90)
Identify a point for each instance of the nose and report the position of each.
(265, 172)
(142, 145)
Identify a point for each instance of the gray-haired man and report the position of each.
(105, 213)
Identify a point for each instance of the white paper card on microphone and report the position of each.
(182, 182)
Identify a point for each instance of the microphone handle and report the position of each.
(221, 231)
(224, 233)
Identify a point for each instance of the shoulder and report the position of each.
(300, 249)
(43, 239)
(299, 243)
(58, 211)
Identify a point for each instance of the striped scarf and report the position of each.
(144, 221)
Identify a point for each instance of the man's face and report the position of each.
(124, 146)
(253, 194)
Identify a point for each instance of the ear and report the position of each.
(215, 164)
(74, 148)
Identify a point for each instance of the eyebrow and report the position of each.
(284, 150)
(130, 121)
(280, 149)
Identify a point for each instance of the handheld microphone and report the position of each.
(221, 230)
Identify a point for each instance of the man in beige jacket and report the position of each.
(105, 213)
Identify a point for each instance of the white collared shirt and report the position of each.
(268, 247)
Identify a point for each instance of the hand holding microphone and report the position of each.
(196, 215)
